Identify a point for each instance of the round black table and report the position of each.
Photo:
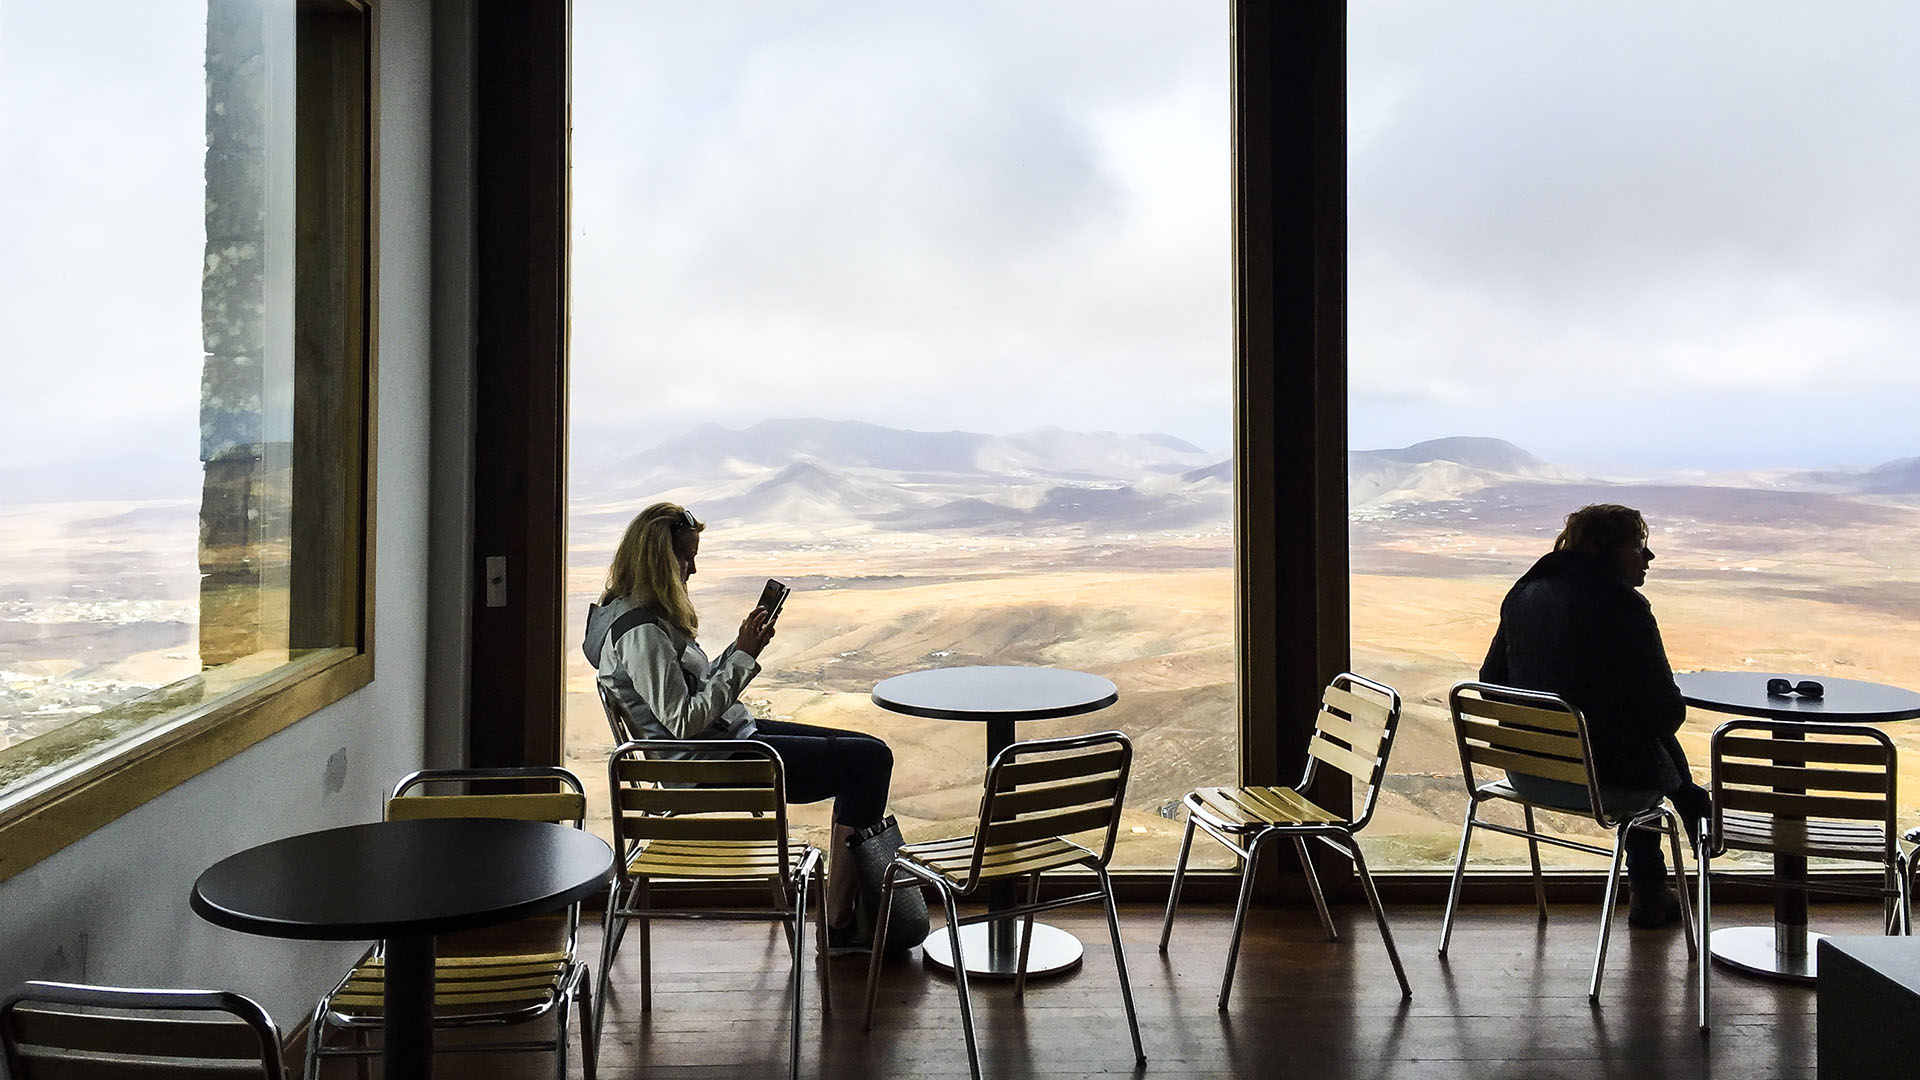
(402, 881)
(999, 697)
(1787, 949)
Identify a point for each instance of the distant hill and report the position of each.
(1898, 477)
(714, 454)
(1440, 469)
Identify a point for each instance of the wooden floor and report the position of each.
(1510, 1001)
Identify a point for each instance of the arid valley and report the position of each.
(1103, 552)
(1114, 555)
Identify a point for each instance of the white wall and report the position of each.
(112, 908)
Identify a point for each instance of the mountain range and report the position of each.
(821, 474)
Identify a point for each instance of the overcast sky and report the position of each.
(1657, 234)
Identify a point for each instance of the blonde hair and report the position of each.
(1601, 527)
(646, 571)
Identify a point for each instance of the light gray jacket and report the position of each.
(668, 686)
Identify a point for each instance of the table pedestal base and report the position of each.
(1781, 951)
(993, 950)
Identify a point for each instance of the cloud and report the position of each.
(989, 217)
(1631, 198)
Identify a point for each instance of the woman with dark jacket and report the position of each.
(1575, 625)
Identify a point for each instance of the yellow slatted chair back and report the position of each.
(171, 1034)
(518, 793)
(1524, 731)
(693, 801)
(1052, 788)
(1354, 734)
(1820, 783)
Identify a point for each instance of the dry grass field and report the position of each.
(1154, 614)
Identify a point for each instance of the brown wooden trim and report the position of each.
(1291, 617)
(515, 686)
(48, 820)
(44, 818)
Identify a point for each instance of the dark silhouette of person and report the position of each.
(1577, 626)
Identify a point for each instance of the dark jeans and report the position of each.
(1646, 864)
(852, 769)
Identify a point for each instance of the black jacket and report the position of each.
(1572, 627)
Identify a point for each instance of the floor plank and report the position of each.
(1509, 1001)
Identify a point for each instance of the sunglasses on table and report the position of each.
(1785, 687)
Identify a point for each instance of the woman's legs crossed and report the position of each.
(854, 770)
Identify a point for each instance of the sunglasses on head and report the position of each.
(1783, 687)
(686, 521)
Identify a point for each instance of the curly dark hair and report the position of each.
(1601, 527)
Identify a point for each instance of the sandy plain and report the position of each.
(1154, 614)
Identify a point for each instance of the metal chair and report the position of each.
(1811, 791)
(1353, 734)
(707, 820)
(1036, 795)
(131, 1034)
(1540, 734)
(484, 979)
(617, 718)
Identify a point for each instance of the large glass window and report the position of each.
(1637, 253)
(927, 311)
(184, 417)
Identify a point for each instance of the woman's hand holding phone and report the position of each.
(755, 631)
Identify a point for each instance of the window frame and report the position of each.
(336, 55)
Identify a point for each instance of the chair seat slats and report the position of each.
(1358, 766)
(952, 858)
(701, 800)
(561, 807)
(1364, 740)
(1030, 800)
(1552, 768)
(1500, 736)
(1778, 750)
(1760, 832)
(1800, 779)
(701, 827)
(1043, 770)
(1040, 826)
(1369, 713)
(1241, 808)
(713, 859)
(728, 772)
(1508, 712)
(1803, 806)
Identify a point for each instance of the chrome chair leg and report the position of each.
(1026, 942)
(1313, 887)
(879, 935)
(1459, 871)
(1606, 909)
(316, 1033)
(589, 1038)
(1702, 858)
(643, 888)
(1240, 917)
(1379, 913)
(960, 978)
(1533, 857)
(1120, 962)
(610, 927)
(820, 939)
(797, 937)
(1179, 876)
(1672, 819)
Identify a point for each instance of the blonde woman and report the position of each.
(641, 639)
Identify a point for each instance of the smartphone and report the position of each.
(772, 597)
